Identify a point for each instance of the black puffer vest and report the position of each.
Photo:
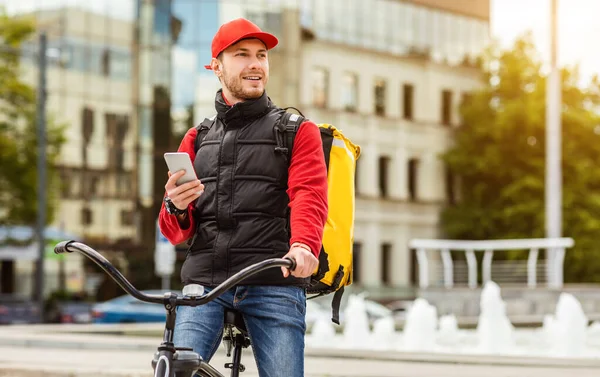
(242, 216)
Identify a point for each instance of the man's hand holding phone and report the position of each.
(184, 194)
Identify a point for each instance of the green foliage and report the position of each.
(499, 155)
(18, 136)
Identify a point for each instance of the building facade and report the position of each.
(89, 91)
(390, 73)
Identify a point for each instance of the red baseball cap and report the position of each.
(236, 30)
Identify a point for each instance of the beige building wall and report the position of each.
(395, 219)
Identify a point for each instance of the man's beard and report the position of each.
(236, 87)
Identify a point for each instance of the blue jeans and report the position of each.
(274, 317)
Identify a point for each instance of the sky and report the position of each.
(578, 24)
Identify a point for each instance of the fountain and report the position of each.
(322, 332)
(494, 330)
(448, 332)
(566, 332)
(356, 323)
(420, 326)
(384, 333)
(563, 334)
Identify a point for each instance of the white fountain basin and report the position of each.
(565, 334)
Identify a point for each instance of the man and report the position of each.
(237, 211)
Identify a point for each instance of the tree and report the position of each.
(499, 157)
(18, 136)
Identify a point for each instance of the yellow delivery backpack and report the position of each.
(335, 259)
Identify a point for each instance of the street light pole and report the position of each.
(41, 174)
(553, 149)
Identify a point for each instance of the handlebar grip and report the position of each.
(62, 247)
(293, 266)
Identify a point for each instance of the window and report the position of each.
(350, 92)
(408, 101)
(122, 128)
(106, 62)
(384, 163)
(126, 217)
(356, 255)
(380, 97)
(124, 185)
(413, 166)
(413, 264)
(386, 264)
(87, 122)
(111, 128)
(95, 59)
(120, 65)
(87, 129)
(86, 216)
(320, 87)
(117, 127)
(119, 158)
(446, 107)
(95, 186)
(80, 57)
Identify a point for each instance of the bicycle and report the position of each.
(172, 361)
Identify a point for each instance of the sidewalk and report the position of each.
(87, 363)
(30, 362)
(57, 351)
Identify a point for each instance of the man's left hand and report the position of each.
(306, 262)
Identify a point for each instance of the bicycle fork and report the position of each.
(238, 342)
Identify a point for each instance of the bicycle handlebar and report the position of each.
(70, 246)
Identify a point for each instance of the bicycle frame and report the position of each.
(166, 350)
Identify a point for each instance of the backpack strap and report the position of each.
(285, 133)
(335, 306)
(335, 303)
(203, 129)
(292, 107)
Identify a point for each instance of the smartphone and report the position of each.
(177, 161)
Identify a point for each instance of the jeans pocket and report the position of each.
(297, 297)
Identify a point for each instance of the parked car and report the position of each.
(68, 307)
(16, 309)
(75, 312)
(127, 309)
